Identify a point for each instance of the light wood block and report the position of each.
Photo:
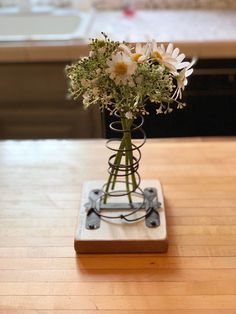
(118, 236)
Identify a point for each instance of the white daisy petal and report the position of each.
(141, 59)
(180, 57)
(189, 72)
(125, 49)
(170, 48)
(175, 52)
(182, 65)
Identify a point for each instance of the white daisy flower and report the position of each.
(121, 67)
(163, 56)
(182, 80)
(142, 52)
(169, 57)
(179, 58)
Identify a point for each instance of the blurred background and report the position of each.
(38, 38)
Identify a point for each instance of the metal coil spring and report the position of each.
(121, 170)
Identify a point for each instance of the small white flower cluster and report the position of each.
(123, 78)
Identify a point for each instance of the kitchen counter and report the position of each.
(40, 194)
(201, 33)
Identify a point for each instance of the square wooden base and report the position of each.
(118, 236)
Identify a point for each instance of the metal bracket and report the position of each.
(92, 218)
(150, 205)
(152, 219)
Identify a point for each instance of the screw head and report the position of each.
(153, 223)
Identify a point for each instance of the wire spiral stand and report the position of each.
(124, 181)
(121, 170)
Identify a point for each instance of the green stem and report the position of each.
(127, 178)
(125, 148)
(118, 161)
(129, 154)
(129, 150)
(122, 147)
(114, 171)
(127, 157)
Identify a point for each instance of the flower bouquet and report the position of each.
(122, 78)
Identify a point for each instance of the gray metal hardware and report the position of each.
(150, 204)
(93, 219)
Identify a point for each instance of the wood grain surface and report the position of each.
(40, 190)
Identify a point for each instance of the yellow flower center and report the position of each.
(121, 68)
(157, 55)
(136, 56)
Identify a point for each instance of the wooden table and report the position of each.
(40, 193)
